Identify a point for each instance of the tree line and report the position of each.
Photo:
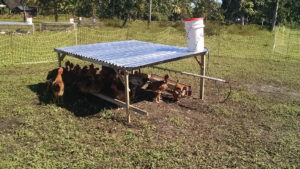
(264, 12)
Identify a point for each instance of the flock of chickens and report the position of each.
(105, 81)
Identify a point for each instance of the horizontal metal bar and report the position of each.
(169, 80)
(190, 74)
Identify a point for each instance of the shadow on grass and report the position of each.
(81, 104)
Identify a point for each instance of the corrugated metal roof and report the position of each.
(128, 54)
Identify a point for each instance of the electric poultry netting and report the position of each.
(31, 48)
(287, 43)
(22, 49)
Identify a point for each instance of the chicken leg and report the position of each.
(62, 100)
(120, 108)
(157, 97)
(58, 99)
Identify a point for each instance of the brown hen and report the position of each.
(158, 87)
(58, 86)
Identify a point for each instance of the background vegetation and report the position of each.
(260, 12)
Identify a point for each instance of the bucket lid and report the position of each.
(193, 19)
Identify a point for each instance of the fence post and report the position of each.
(127, 33)
(11, 47)
(283, 35)
(274, 43)
(219, 44)
(298, 34)
(287, 50)
(168, 35)
(75, 29)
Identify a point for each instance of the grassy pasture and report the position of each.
(258, 127)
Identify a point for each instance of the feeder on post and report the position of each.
(195, 40)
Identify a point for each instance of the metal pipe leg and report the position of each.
(202, 80)
(59, 61)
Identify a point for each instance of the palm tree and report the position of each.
(176, 7)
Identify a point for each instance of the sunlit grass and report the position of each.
(258, 127)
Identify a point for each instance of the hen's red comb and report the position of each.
(61, 70)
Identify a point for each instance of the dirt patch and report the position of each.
(8, 124)
(268, 91)
(172, 118)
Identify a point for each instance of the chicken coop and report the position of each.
(127, 56)
(16, 28)
(57, 26)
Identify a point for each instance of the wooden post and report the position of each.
(59, 61)
(149, 19)
(275, 16)
(40, 26)
(202, 80)
(127, 95)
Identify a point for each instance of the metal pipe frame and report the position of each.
(190, 74)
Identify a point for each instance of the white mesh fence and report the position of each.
(286, 44)
(37, 48)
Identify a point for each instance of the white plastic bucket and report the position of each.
(29, 20)
(80, 18)
(71, 20)
(195, 34)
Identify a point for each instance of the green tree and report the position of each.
(181, 9)
(14, 3)
(209, 9)
(56, 5)
(238, 8)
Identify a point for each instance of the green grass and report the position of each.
(255, 128)
(258, 127)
